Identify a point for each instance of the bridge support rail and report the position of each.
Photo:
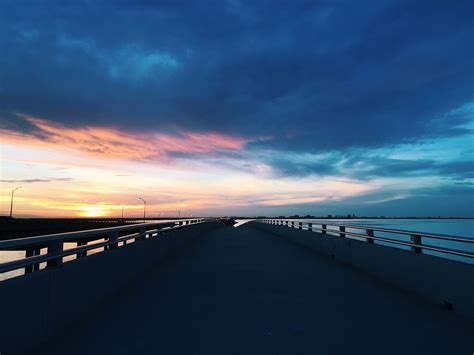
(439, 280)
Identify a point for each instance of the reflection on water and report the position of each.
(241, 221)
(455, 227)
(458, 227)
(12, 255)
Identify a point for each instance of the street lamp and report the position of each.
(144, 207)
(11, 203)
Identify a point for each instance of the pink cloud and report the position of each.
(106, 142)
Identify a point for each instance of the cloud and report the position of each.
(134, 63)
(318, 71)
(107, 143)
(461, 169)
(448, 157)
(129, 62)
(29, 181)
(376, 93)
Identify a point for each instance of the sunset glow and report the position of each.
(111, 143)
(278, 115)
(94, 211)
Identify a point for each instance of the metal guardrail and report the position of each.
(368, 234)
(114, 237)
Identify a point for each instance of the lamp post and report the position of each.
(144, 208)
(11, 203)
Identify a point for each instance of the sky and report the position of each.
(235, 107)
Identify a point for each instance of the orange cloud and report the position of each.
(104, 142)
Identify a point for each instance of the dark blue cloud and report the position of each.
(365, 165)
(326, 75)
(461, 169)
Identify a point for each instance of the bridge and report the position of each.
(270, 286)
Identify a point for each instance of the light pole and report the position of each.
(144, 208)
(11, 203)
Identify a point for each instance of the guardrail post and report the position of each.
(300, 225)
(286, 223)
(416, 239)
(32, 251)
(323, 227)
(370, 233)
(292, 224)
(53, 248)
(112, 236)
(142, 233)
(310, 227)
(342, 229)
(81, 254)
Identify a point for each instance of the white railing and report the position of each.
(416, 242)
(49, 249)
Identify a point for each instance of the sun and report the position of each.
(93, 211)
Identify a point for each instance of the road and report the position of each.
(242, 291)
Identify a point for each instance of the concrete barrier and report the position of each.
(442, 281)
(38, 306)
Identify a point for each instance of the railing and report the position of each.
(415, 244)
(114, 237)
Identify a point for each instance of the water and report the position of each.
(455, 227)
(11, 255)
(458, 227)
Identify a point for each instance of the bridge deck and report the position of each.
(241, 291)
